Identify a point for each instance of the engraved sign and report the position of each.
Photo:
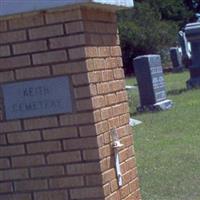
(149, 74)
(37, 98)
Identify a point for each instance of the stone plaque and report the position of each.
(37, 98)
(150, 79)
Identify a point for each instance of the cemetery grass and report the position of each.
(167, 144)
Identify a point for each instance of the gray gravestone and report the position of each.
(175, 56)
(149, 74)
(37, 98)
(192, 32)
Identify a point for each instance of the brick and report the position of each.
(48, 171)
(11, 37)
(31, 185)
(74, 27)
(89, 130)
(40, 123)
(30, 47)
(49, 57)
(104, 51)
(83, 168)
(23, 137)
(6, 187)
(91, 155)
(16, 197)
(84, 105)
(124, 119)
(108, 176)
(124, 191)
(103, 88)
(46, 32)
(80, 79)
(111, 63)
(11, 150)
(95, 77)
(85, 91)
(6, 76)
(63, 16)
(3, 26)
(114, 185)
(26, 21)
(4, 51)
(93, 180)
(118, 109)
(77, 53)
(105, 151)
(106, 189)
(4, 163)
(106, 113)
(122, 96)
(119, 74)
(27, 161)
(3, 140)
(14, 62)
(66, 182)
(67, 41)
(60, 133)
(91, 52)
(108, 75)
(51, 195)
(81, 143)
(98, 102)
(69, 68)
(111, 99)
(43, 147)
(87, 193)
(116, 51)
(13, 174)
(114, 196)
(33, 72)
(64, 157)
(134, 185)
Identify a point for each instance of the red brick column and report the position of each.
(68, 156)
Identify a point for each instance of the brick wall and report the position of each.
(68, 156)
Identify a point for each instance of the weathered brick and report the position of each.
(6, 187)
(93, 180)
(95, 77)
(14, 36)
(64, 157)
(103, 88)
(26, 21)
(81, 143)
(80, 79)
(67, 41)
(77, 53)
(6, 76)
(85, 91)
(116, 51)
(106, 113)
(51, 195)
(66, 182)
(60, 133)
(40, 123)
(91, 155)
(27, 161)
(13, 174)
(108, 176)
(63, 16)
(124, 191)
(3, 26)
(4, 163)
(46, 32)
(91, 52)
(32, 72)
(87, 193)
(88, 130)
(69, 68)
(14, 62)
(49, 57)
(84, 105)
(43, 147)
(23, 137)
(30, 47)
(4, 51)
(74, 27)
(11, 150)
(47, 171)
(16, 197)
(31, 185)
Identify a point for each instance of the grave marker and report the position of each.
(176, 58)
(149, 74)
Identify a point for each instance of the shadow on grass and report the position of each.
(177, 91)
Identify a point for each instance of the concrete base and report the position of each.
(193, 83)
(162, 105)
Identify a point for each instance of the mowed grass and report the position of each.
(167, 144)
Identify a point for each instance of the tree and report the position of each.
(143, 30)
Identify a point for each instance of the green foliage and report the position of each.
(151, 27)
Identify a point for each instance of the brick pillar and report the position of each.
(66, 156)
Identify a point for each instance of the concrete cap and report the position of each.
(9, 7)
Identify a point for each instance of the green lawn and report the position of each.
(167, 144)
